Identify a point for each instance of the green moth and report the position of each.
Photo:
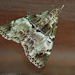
(36, 34)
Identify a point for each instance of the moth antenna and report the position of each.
(59, 9)
(62, 7)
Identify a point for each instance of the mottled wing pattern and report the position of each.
(16, 30)
(35, 33)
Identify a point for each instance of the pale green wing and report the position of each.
(36, 34)
(16, 30)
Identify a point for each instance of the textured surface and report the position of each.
(36, 34)
(62, 59)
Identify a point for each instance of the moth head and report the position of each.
(56, 11)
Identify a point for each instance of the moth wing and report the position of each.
(15, 30)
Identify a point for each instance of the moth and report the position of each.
(36, 33)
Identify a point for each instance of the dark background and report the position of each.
(62, 59)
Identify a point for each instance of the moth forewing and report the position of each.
(36, 34)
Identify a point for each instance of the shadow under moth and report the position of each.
(36, 34)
